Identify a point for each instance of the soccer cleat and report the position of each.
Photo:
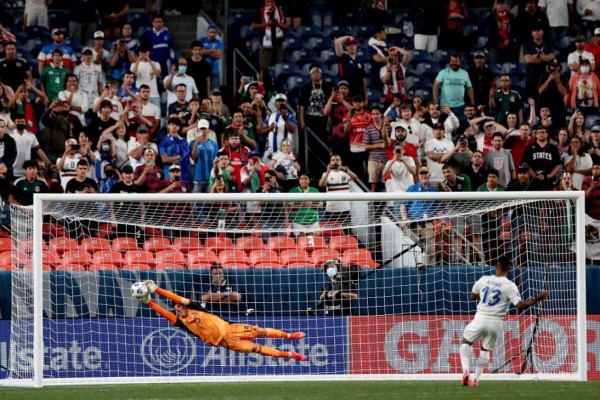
(298, 356)
(296, 335)
(474, 382)
(465, 378)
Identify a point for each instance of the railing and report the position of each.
(240, 60)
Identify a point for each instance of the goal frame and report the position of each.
(38, 379)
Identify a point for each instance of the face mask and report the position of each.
(182, 69)
(331, 272)
(584, 70)
(105, 148)
(20, 127)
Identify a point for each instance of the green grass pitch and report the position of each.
(370, 390)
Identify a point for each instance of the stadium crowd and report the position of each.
(504, 96)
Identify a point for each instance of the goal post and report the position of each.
(397, 313)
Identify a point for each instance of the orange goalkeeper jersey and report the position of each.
(206, 326)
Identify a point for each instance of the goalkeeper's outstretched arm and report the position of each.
(153, 288)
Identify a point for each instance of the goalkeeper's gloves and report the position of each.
(151, 286)
(145, 299)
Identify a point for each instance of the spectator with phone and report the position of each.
(174, 149)
(277, 126)
(146, 72)
(177, 78)
(149, 176)
(273, 25)
(67, 164)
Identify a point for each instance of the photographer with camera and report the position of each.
(337, 294)
(277, 126)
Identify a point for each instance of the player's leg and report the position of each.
(271, 352)
(466, 352)
(487, 344)
(275, 333)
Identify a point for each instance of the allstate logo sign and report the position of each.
(168, 350)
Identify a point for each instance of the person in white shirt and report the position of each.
(277, 126)
(26, 144)
(574, 58)
(135, 148)
(494, 294)
(438, 150)
(337, 180)
(146, 71)
(90, 75)
(179, 76)
(403, 170)
(77, 99)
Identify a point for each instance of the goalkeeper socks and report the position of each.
(269, 351)
(465, 356)
(482, 362)
(274, 333)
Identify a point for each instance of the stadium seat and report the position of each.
(102, 267)
(137, 267)
(50, 259)
(419, 56)
(311, 243)
(335, 31)
(170, 259)
(62, 244)
(187, 244)
(591, 120)
(280, 243)
(92, 245)
(201, 259)
(5, 261)
(218, 244)
(71, 267)
(343, 242)
(516, 69)
(291, 43)
(264, 259)
(309, 31)
(104, 257)
(124, 244)
(77, 257)
(139, 257)
(424, 93)
(158, 243)
(5, 244)
(318, 44)
(361, 257)
(330, 228)
(428, 68)
(233, 257)
(295, 258)
(361, 32)
(249, 243)
(442, 57)
(321, 255)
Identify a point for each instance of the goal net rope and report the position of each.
(395, 308)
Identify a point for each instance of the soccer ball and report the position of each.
(138, 290)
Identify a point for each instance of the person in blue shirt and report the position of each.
(160, 42)
(204, 151)
(213, 52)
(450, 87)
(174, 149)
(417, 210)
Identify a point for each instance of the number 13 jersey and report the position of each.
(495, 294)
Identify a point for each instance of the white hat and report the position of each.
(280, 96)
(597, 32)
(203, 123)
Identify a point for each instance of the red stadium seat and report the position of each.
(107, 257)
(50, 259)
(62, 244)
(343, 242)
(5, 261)
(105, 231)
(169, 259)
(361, 257)
(311, 243)
(235, 265)
(263, 257)
(295, 259)
(201, 259)
(124, 244)
(322, 255)
(78, 257)
(268, 265)
(218, 244)
(233, 257)
(157, 243)
(280, 243)
(187, 244)
(52, 230)
(137, 267)
(5, 244)
(139, 257)
(329, 229)
(92, 245)
(71, 267)
(102, 267)
(249, 243)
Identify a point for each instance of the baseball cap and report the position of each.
(397, 125)
(142, 129)
(58, 31)
(343, 83)
(216, 92)
(128, 169)
(595, 128)
(597, 32)
(280, 96)
(580, 38)
(423, 169)
(479, 54)
(350, 40)
(358, 97)
(105, 103)
(438, 125)
(70, 142)
(87, 50)
(203, 123)
(98, 35)
(523, 168)
(174, 167)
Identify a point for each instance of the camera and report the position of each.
(75, 147)
(596, 179)
(398, 151)
(282, 107)
(177, 178)
(88, 185)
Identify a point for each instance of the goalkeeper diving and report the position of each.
(211, 329)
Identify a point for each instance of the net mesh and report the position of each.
(398, 305)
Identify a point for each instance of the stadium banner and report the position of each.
(430, 344)
(95, 348)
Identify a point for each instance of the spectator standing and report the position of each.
(113, 14)
(505, 101)
(529, 17)
(376, 139)
(336, 107)
(502, 32)
(491, 221)
(594, 47)
(450, 87)
(20, 104)
(147, 113)
(53, 76)
(246, 135)
(543, 158)
(537, 54)
(77, 99)
(127, 91)
(337, 179)
(36, 13)
(402, 170)
(378, 50)
(552, 89)
(149, 176)
(199, 69)
(83, 18)
(476, 172)
(577, 162)
(501, 160)
(273, 25)
(438, 151)
(146, 71)
(481, 78)
(90, 76)
(589, 12)
(127, 39)
(355, 123)
(392, 75)
(305, 216)
(286, 166)
(558, 12)
(428, 17)
(213, 51)
(100, 55)
(110, 93)
(575, 58)
(584, 90)
(136, 147)
(58, 127)
(102, 121)
(26, 144)
(592, 145)
(27, 185)
(350, 67)
(591, 186)
(45, 56)
(175, 150)
(160, 43)
(453, 27)
(14, 70)
(204, 152)
(178, 77)
(278, 125)
(7, 159)
(518, 143)
(237, 156)
(120, 61)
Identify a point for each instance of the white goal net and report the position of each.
(391, 301)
